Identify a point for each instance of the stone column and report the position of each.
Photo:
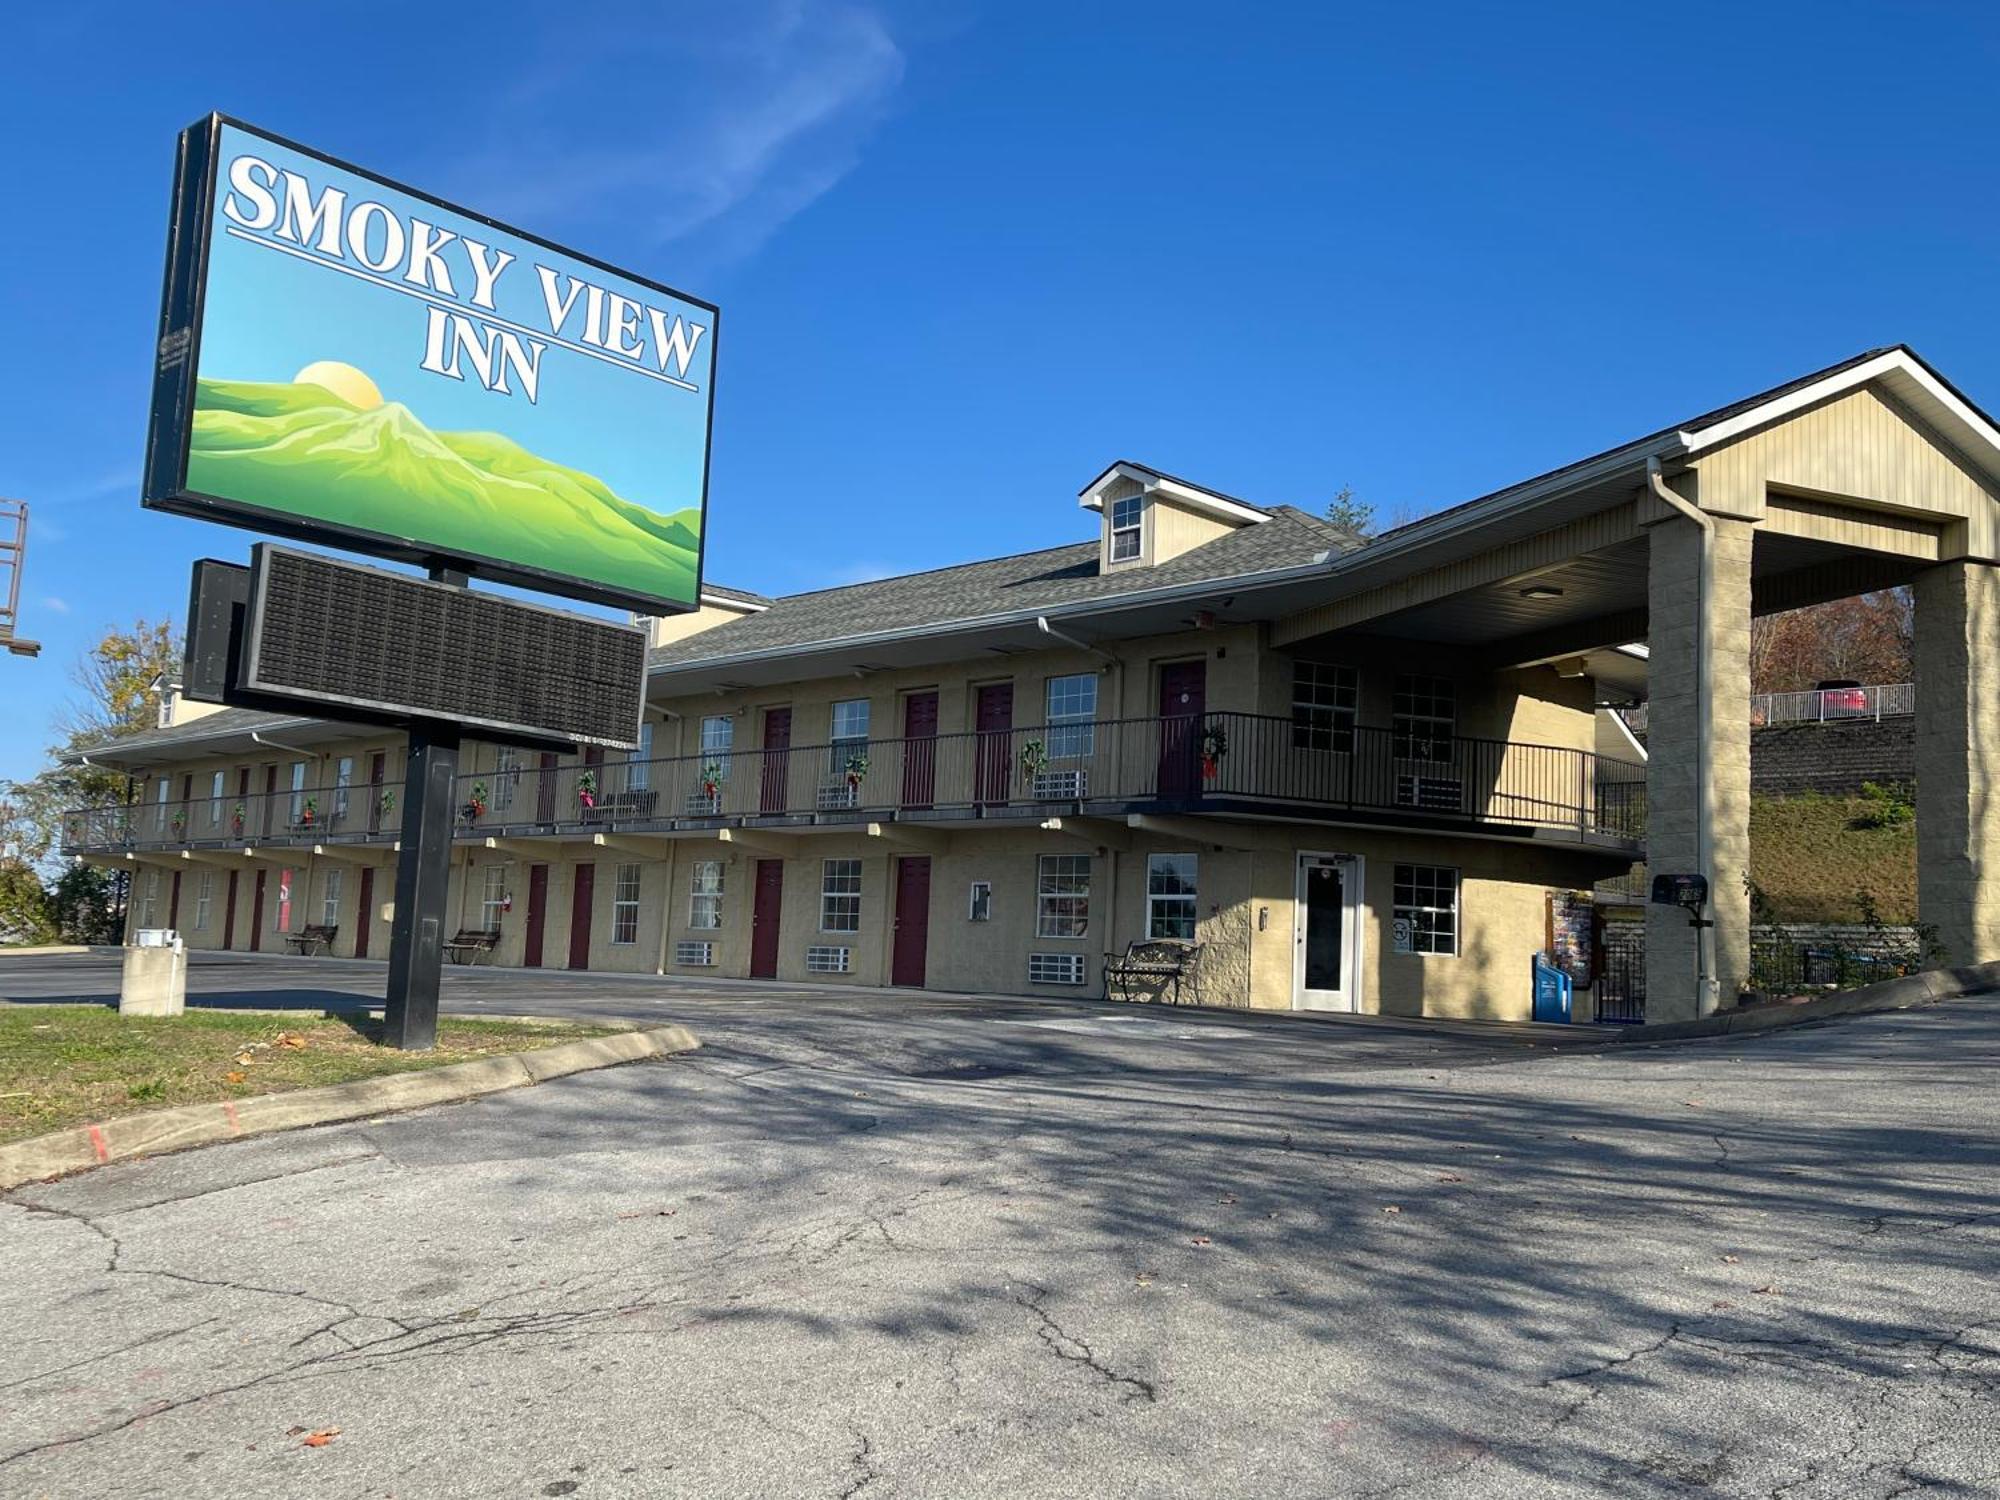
(1698, 758)
(1958, 758)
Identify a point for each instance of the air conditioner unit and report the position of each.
(704, 804)
(1055, 968)
(1061, 786)
(1430, 793)
(837, 795)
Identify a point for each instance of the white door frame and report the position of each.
(1353, 889)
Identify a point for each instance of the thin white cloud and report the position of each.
(54, 605)
(721, 135)
(124, 477)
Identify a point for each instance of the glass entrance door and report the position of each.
(1326, 932)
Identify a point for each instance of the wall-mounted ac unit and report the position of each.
(1061, 786)
(1430, 793)
(698, 955)
(1055, 968)
(834, 796)
(827, 960)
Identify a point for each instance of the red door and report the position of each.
(545, 788)
(770, 898)
(364, 905)
(378, 764)
(777, 759)
(257, 914)
(1183, 700)
(229, 914)
(538, 901)
(579, 916)
(913, 920)
(920, 719)
(993, 761)
(174, 903)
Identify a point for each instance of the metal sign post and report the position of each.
(423, 882)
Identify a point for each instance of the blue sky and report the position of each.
(969, 253)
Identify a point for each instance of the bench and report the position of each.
(470, 942)
(1152, 964)
(630, 807)
(315, 938)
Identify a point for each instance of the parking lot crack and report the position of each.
(1070, 1349)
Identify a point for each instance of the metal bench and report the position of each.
(470, 942)
(316, 938)
(1148, 966)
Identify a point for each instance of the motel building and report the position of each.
(1354, 775)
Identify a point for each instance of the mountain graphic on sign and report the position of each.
(300, 448)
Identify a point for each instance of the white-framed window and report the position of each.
(343, 782)
(705, 896)
(1062, 895)
(849, 736)
(625, 906)
(638, 761)
(204, 899)
(216, 783)
(492, 896)
(1426, 712)
(979, 904)
(162, 790)
(298, 791)
(1072, 715)
(1425, 909)
(1127, 518)
(329, 899)
(506, 776)
(1171, 885)
(718, 738)
(1325, 699)
(149, 900)
(840, 895)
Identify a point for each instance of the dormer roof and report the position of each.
(1182, 492)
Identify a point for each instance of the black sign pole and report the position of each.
(423, 882)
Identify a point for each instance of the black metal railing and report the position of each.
(1220, 762)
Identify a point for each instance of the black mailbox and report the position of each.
(1690, 891)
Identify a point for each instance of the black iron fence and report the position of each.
(1219, 762)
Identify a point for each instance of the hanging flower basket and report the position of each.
(311, 813)
(1214, 745)
(857, 767)
(180, 823)
(475, 806)
(711, 779)
(1034, 758)
(236, 819)
(586, 789)
(387, 804)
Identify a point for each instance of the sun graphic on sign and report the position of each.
(346, 382)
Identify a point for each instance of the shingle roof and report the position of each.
(745, 595)
(220, 724)
(1027, 580)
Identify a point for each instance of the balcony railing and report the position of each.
(1220, 763)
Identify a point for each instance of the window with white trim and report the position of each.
(162, 790)
(625, 906)
(718, 738)
(1426, 712)
(149, 899)
(329, 899)
(705, 897)
(1171, 895)
(1127, 521)
(638, 761)
(506, 776)
(343, 782)
(849, 737)
(492, 896)
(1425, 909)
(840, 895)
(204, 899)
(1062, 895)
(216, 783)
(1325, 698)
(1072, 715)
(298, 791)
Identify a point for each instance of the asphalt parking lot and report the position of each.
(909, 1245)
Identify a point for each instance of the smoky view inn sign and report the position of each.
(347, 361)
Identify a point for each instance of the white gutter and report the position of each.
(1708, 987)
(1042, 624)
(258, 737)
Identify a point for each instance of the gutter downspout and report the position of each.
(257, 737)
(1708, 997)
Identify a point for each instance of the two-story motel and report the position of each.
(1354, 773)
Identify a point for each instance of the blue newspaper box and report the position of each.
(1552, 992)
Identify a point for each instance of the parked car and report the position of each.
(1842, 699)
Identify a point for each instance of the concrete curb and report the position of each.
(1911, 990)
(52, 950)
(159, 1130)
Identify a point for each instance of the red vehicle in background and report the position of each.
(1842, 699)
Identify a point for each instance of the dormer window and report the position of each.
(1126, 516)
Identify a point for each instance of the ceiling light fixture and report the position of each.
(1541, 591)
